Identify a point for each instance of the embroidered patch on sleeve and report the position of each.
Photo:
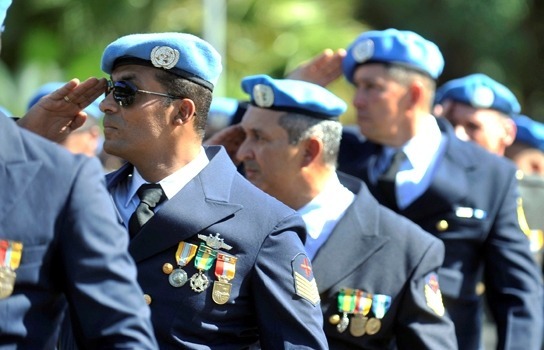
(305, 285)
(433, 295)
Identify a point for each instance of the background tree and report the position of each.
(49, 40)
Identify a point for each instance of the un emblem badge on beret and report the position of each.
(482, 97)
(164, 57)
(363, 51)
(263, 95)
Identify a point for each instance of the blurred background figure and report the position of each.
(480, 109)
(527, 152)
(224, 111)
(486, 112)
(220, 115)
(88, 139)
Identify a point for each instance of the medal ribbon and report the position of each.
(380, 305)
(346, 300)
(204, 257)
(185, 252)
(225, 267)
(364, 301)
(10, 253)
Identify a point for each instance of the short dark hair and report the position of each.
(201, 96)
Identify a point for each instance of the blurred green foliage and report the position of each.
(49, 40)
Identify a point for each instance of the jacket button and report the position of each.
(167, 268)
(147, 299)
(334, 319)
(442, 225)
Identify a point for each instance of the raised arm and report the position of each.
(56, 115)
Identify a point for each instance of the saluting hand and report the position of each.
(56, 115)
(322, 70)
(231, 138)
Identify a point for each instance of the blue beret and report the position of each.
(479, 91)
(295, 96)
(92, 110)
(530, 132)
(404, 48)
(183, 54)
(4, 5)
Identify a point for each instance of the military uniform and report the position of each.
(60, 242)
(380, 254)
(471, 206)
(263, 299)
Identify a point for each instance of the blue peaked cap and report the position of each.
(479, 91)
(392, 46)
(92, 110)
(295, 96)
(182, 54)
(4, 6)
(530, 132)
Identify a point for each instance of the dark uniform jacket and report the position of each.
(471, 205)
(264, 302)
(377, 251)
(73, 248)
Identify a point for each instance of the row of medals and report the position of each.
(358, 303)
(358, 326)
(199, 282)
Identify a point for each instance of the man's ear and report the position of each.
(186, 111)
(313, 147)
(510, 131)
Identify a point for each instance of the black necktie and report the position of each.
(150, 196)
(386, 181)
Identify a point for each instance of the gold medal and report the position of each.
(357, 325)
(7, 281)
(373, 326)
(221, 292)
(225, 269)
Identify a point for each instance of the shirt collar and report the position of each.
(174, 182)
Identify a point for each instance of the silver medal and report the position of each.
(199, 282)
(177, 278)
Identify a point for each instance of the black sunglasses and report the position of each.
(125, 91)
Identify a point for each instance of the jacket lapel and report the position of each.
(449, 184)
(354, 239)
(203, 202)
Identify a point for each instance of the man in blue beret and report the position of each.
(453, 189)
(221, 263)
(290, 139)
(527, 151)
(414, 163)
(483, 110)
(61, 246)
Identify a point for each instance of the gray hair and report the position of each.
(300, 127)
(405, 76)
